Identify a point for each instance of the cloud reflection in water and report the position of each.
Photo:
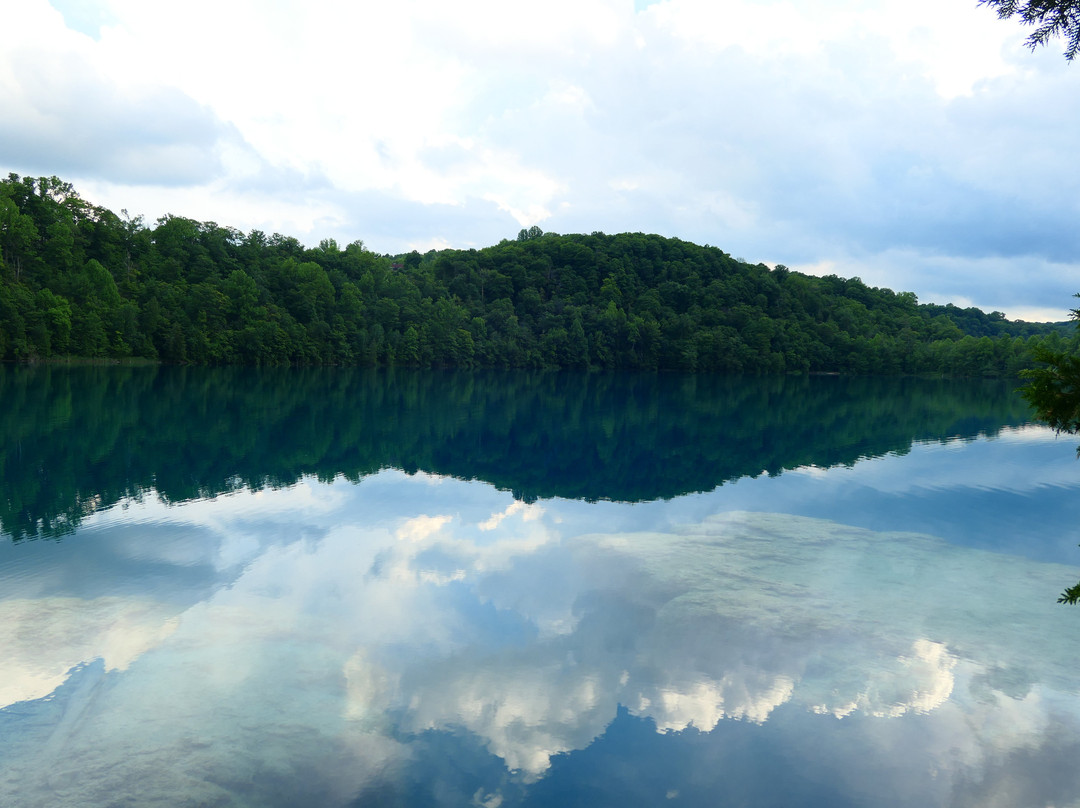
(351, 626)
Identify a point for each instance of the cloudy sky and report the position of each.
(918, 145)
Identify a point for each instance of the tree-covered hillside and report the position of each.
(78, 280)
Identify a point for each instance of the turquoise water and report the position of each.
(345, 588)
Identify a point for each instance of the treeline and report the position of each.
(78, 280)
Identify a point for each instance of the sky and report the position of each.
(920, 145)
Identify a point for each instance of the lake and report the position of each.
(335, 587)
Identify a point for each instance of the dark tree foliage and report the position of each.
(77, 280)
(1053, 390)
(1051, 18)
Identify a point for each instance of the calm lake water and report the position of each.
(337, 587)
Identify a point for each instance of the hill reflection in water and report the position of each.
(77, 439)
(344, 588)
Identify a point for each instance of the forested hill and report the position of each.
(78, 280)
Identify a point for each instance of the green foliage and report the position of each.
(79, 280)
(1051, 18)
(1053, 391)
(1070, 595)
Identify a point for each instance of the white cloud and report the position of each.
(950, 45)
(72, 112)
(704, 704)
(44, 638)
(530, 512)
(420, 528)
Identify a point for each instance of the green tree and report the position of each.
(577, 345)
(1051, 18)
(17, 234)
(1053, 390)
